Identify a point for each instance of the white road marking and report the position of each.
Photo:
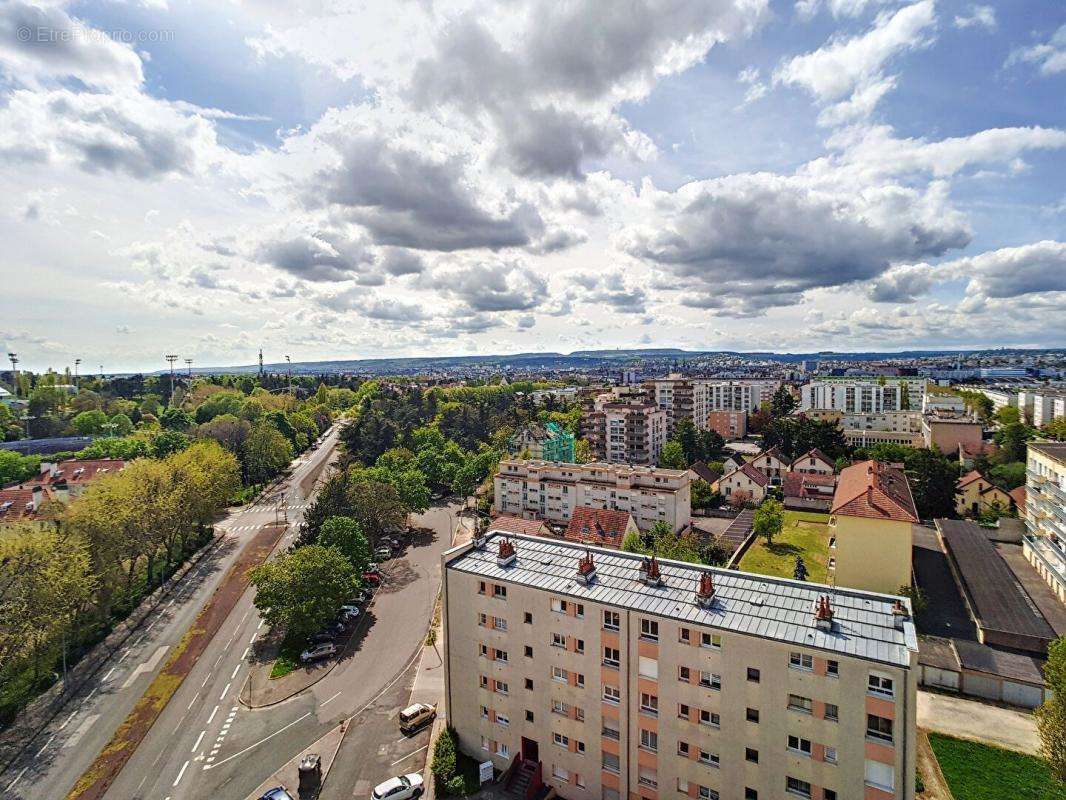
(18, 777)
(252, 640)
(213, 712)
(192, 701)
(89, 696)
(206, 679)
(416, 752)
(199, 739)
(45, 747)
(146, 666)
(244, 655)
(181, 772)
(265, 738)
(68, 719)
(236, 669)
(110, 672)
(332, 698)
(223, 695)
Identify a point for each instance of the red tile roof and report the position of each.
(874, 490)
(799, 484)
(16, 504)
(759, 477)
(815, 453)
(604, 527)
(969, 478)
(509, 524)
(1018, 496)
(77, 472)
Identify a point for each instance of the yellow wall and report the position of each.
(971, 493)
(871, 554)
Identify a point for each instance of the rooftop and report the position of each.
(601, 526)
(1055, 450)
(874, 490)
(755, 605)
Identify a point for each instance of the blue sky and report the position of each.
(350, 179)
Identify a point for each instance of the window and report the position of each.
(610, 762)
(712, 640)
(753, 675)
(558, 640)
(501, 687)
(682, 786)
(559, 605)
(483, 650)
(529, 651)
(797, 787)
(649, 740)
(579, 646)
(880, 685)
(503, 720)
(832, 668)
(529, 684)
(684, 674)
(560, 774)
(610, 794)
(499, 591)
(529, 715)
(561, 708)
(485, 744)
(560, 675)
(710, 718)
(801, 704)
(882, 776)
(561, 741)
(750, 794)
(799, 745)
(752, 715)
(579, 680)
(829, 794)
(647, 776)
(752, 755)
(611, 694)
(832, 712)
(484, 712)
(648, 668)
(708, 794)
(831, 755)
(878, 728)
(710, 759)
(482, 619)
(499, 623)
(649, 630)
(610, 729)
(611, 620)
(579, 781)
(710, 680)
(649, 704)
(682, 711)
(501, 655)
(484, 681)
(527, 618)
(682, 749)
(800, 661)
(481, 587)
(579, 610)
(579, 714)
(684, 635)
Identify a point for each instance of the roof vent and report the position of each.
(649, 572)
(507, 554)
(586, 569)
(823, 614)
(705, 591)
(899, 615)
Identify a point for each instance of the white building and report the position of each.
(864, 395)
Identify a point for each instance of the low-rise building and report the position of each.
(947, 432)
(870, 528)
(728, 424)
(975, 494)
(68, 479)
(809, 491)
(27, 504)
(814, 462)
(607, 675)
(602, 527)
(548, 442)
(772, 464)
(743, 485)
(552, 491)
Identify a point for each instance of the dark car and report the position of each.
(277, 793)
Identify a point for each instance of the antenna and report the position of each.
(171, 359)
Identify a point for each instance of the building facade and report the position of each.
(728, 424)
(551, 491)
(864, 395)
(548, 442)
(697, 399)
(609, 676)
(1044, 543)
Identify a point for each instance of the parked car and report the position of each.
(383, 553)
(415, 716)
(402, 787)
(318, 652)
(323, 638)
(359, 599)
(373, 577)
(348, 613)
(277, 793)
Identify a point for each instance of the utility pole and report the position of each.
(13, 357)
(188, 363)
(171, 359)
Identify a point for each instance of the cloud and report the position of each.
(1049, 56)
(978, 16)
(613, 290)
(490, 286)
(397, 261)
(902, 283)
(853, 67)
(320, 256)
(1014, 271)
(806, 9)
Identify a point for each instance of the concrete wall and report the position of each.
(871, 554)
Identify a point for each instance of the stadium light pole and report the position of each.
(14, 358)
(171, 359)
(77, 363)
(188, 364)
(289, 362)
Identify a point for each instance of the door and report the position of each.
(530, 750)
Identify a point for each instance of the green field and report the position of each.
(806, 534)
(981, 772)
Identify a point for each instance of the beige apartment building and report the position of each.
(552, 490)
(1044, 544)
(625, 433)
(697, 399)
(609, 676)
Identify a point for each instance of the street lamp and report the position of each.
(188, 363)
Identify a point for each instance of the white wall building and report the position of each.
(864, 396)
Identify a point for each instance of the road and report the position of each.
(206, 744)
(55, 760)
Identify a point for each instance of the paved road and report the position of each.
(206, 744)
(59, 755)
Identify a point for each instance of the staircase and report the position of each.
(521, 779)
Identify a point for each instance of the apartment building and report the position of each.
(625, 433)
(552, 491)
(610, 676)
(549, 442)
(728, 424)
(1044, 543)
(863, 396)
(746, 396)
(679, 398)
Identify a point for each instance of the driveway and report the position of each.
(981, 722)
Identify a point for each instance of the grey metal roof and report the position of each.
(756, 605)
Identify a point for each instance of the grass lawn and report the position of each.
(806, 534)
(982, 772)
(288, 658)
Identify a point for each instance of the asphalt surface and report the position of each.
(205, 744)
(58, 756)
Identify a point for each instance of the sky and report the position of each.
(446, 177)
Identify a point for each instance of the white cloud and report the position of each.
(977, 16)
(1049, 56)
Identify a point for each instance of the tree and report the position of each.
(582, 451)
(769, 519)
(703, 496)
(632, 543)
(266, 453)
(120, 425)
(15, 468)
(228, 430)
(168, 442)
(175, 419)
(1008, 415)
(672, 456)
(90, 423)
(799, 572)
(1056, 429)
(377, 508)
(782, 403)
(1012, 439)
(1051, 716)
(304, 589)
(1008, 476)
(218, 404)
(344, 535)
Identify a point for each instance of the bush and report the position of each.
(444, 758)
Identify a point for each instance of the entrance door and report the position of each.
(530, 750)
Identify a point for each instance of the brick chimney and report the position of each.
(899, 615)
(823, 614)
(649, 572)
(507, 554)
(586, 569)
(35, 497)
(705, 591)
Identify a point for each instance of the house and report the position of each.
(24, 504)
(968, 453)
(700, 471)
(814, 462)
(732, 463)
(974, 494)
(527, 527)
(772, 464)
(870, 535)
(808, 491)
(548, 442)
(603, 527)
(748, 481)
(68, 479)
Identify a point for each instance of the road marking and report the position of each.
(181, 772)
(223, 695)
(68, 719)
(192, 701)
(236, 669)
(264, 739)
(244, 655)
(18, 777)
(260, 625)
(220, 655)
(252, 640)
(110, 672)
(416, 752)
(213, 712)
(199, 739)
(146, 666)
(332, 698)
(45, 747)
(206, 679)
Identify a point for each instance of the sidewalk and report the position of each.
(289, 775)
(980, 722)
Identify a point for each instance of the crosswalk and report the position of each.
(261, 508)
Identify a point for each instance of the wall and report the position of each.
(871, 554)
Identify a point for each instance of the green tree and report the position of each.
(582, 451)
(769, 519)
(120, 425)
(345, 535)
(632, 542)
(799, 572)
(266, 453)
(782, 403)
(90, 423)
(217, 404)
(703, 496)
(175, 419)
(15, 468)
(377, 508)
(1008, 415)
(1051, 716)
(304, 589)
(1012, 439)
(672, 456)
(1056, 429)
(1008, 476)
(168, 442)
